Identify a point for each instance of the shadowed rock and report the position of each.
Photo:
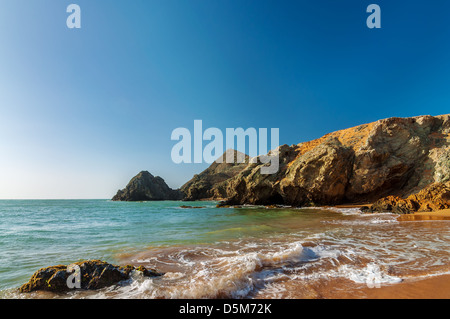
(146, 187)
(94, 274)
(211, 183)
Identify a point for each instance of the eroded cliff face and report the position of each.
(395, 156)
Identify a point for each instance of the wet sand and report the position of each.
(438, 215)
(437, 287)
(430, 288)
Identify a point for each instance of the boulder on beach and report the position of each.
(146, 187)
(432, 198)
(93, 274)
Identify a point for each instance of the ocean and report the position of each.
(209, 252)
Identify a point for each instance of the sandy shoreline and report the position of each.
(437, 287)
(438, 215)
(215, 270)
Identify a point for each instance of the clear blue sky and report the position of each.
(82, 111)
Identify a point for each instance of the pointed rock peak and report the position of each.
(144, 174)
(236, 156)
(146, 187)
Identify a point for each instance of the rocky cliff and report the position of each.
(146, 187)
(212, 182)
(395, 156)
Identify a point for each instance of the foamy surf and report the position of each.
(230, 274)
(271, 268)
(372, 275)
(297, 259)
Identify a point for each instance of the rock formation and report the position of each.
(94, 274)
(211, 183)
(432, 198)
(391, 157)
(395, 156)
(146, 187)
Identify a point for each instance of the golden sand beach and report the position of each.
(437, 215)
(437, 287)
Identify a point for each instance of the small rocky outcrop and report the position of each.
(432, 198)
(146, 187)
(395, 157)
(94, 274)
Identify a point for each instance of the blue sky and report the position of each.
(82, 111)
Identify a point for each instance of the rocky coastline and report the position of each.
(146, 187)
(93, 275)
(398, 164)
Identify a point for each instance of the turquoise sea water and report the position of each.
(40, 233)
(209, 252)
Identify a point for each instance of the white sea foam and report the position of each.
(345, 211)
(366, 249)
(362, 222)
(233, 276)
(173, 275)
(372, 275)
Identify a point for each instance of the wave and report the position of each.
(357, 249)
(246, 274)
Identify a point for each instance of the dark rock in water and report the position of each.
(146, 187)
(148, 272)
(223, 204)
(365, 209)
(94, 274)
(274, 206)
